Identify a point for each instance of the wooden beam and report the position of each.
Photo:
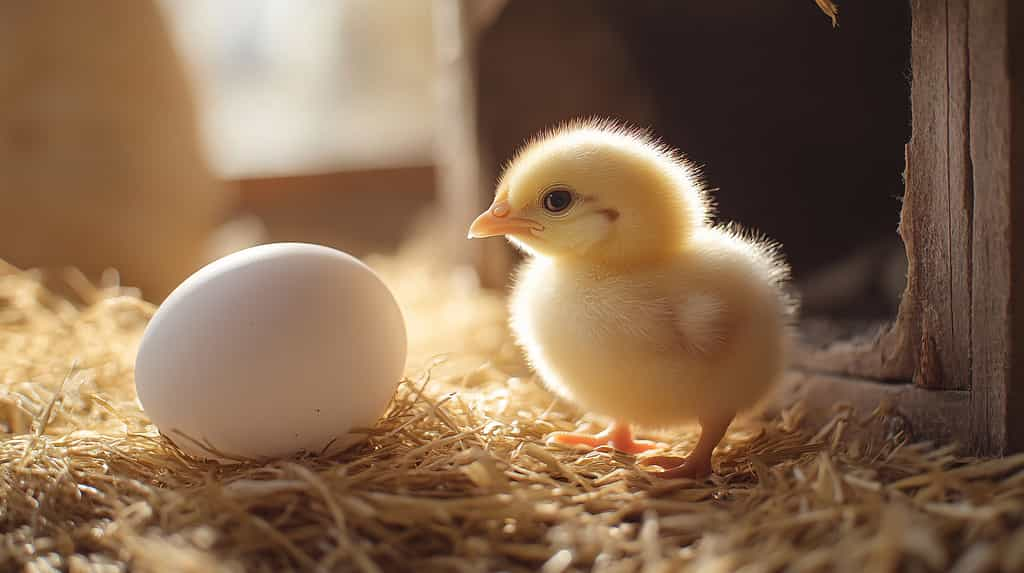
(1014, 376)
(960, 192)
(885, 355)
(996, 146)
(934, 223)
(933, 415)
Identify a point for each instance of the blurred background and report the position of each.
(153, 136)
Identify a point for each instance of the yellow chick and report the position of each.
(633, 304)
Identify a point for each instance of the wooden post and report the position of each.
(463, 184)
(961, 320)
(936, 219)
(996, 139)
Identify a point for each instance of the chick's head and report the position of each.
(595, 191)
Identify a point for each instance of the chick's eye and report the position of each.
(557, 200)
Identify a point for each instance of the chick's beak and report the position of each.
(498, 221)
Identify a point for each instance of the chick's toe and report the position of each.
(618, 436)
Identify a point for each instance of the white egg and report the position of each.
(270, 351)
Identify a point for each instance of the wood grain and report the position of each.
(961, 193)
(934, 224)
(963, 225)
(997, 248)
(1014, 376)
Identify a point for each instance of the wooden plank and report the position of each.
(925, 223)
(885, 355)
(996, 141)
(925, 415)
(1014, 377)
(961, 195)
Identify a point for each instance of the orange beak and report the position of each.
(496, 221)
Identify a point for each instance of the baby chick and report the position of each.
(632, 304)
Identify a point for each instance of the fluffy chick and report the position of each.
(632, 304)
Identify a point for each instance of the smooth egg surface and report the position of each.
(270, 351)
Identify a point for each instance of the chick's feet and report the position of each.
(698, 463)
(689, 467)
(618, 436)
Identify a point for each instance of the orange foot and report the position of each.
(618, 436)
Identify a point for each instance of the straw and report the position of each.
(456, 476)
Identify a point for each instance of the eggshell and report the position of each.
(270, 351)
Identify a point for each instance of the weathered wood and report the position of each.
(963, 225)
(937, 285)
(883, 355)
(925, 414)
(1013, 377)
(930, 341)
(961, 194)
(996, 134)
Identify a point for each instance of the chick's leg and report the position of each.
(698, 463)
(618, 435)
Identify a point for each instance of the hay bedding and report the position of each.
(456, 478)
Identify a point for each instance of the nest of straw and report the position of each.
(456, 477)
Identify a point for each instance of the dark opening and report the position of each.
(800, 127)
